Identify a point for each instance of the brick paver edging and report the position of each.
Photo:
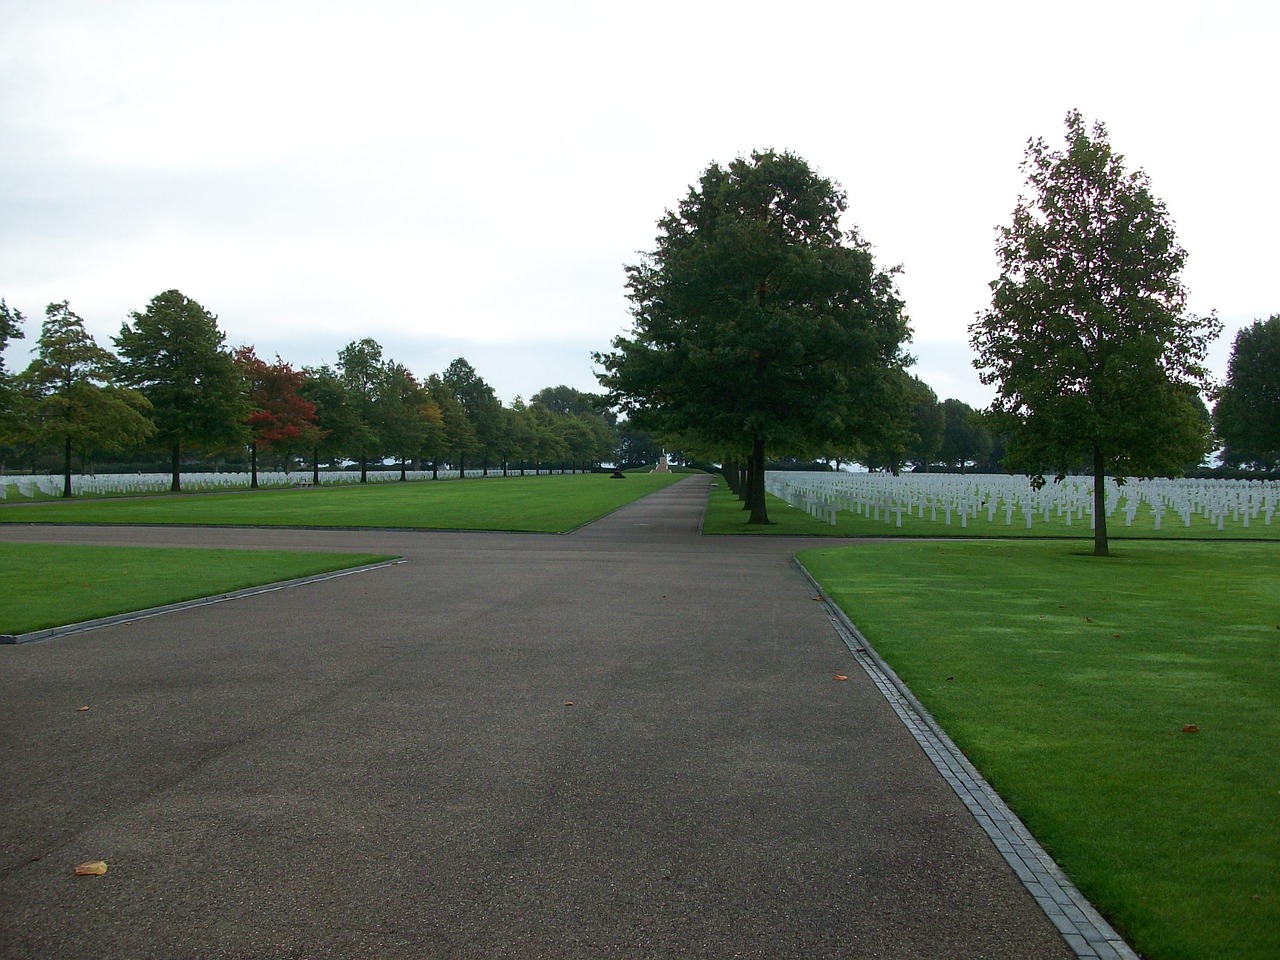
(1084, 929)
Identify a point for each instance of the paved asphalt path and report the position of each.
(626, 742)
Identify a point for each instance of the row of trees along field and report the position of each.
(173, 386)
(761, 329)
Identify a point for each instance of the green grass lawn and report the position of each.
(545, 504)
(51, 585)
(725, 515)
(1068, 680)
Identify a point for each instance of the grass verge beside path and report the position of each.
(1068, 681)
(546, 504)
(726, 516)
(48, 585)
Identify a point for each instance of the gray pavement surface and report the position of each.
(626, 742)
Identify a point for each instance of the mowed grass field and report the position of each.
(1069, 680)
(543, 504)
(52, 585)
(726, 516)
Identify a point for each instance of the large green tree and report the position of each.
(1247, 414)
(73, 403)
(1088, 339)
(362, 371)
(173, 354)
(337, 420)
(760, 326)
(460, 439)
(483, 409)
(965, 439)
(410, 421)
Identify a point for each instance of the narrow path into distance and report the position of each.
(626, 742)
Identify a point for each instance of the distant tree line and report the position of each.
(173, 389)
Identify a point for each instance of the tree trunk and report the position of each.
(403, 475)
(1100, 547)
(253, 466)
(315, 466)
(462, 467)
(364, 468)
(176, 485)
(729, 470)
(66, 470)
(759, 510)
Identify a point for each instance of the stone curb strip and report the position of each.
(1084, 929)
(51, 632)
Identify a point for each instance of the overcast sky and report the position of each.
(468, 179)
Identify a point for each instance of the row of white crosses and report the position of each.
(956, 499)
(142, 483)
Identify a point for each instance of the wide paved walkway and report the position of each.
(626, 742)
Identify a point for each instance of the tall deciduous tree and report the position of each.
(964, 438)
(482, 407)
(361, 368)
(74, 404)
(928, 423)
(409, 419)
(1088, 339)
(337, 420)
(760, 326)
(173, 354)
(279, 417)
(1247, 414)
(459, 433)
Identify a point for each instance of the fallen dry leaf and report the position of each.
(1088, 619)
(568, 703)
(81, 709)
(1116, 635)
(94, 868)
(841, 676)
(1190, 728)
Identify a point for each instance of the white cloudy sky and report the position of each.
(468, 178)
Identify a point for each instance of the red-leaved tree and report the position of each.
(280, 419)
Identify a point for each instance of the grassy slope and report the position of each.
(1068, 681)
(547, 504)
(47, 585)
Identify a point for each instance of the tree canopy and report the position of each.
(173, 354)
(1247, 414)
(279, 417)
(72, 403)
(1088, 339)
(760, 326)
